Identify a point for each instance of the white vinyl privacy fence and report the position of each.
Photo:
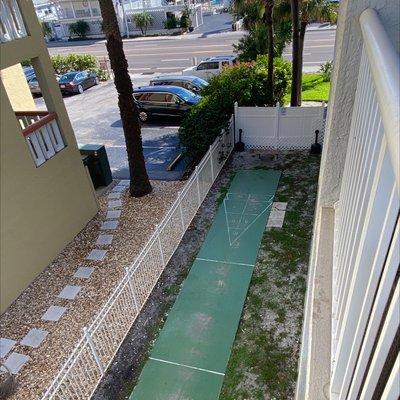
(83, 370)
(280, 128)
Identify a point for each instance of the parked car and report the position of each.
(34, 84)
(29, 72)
(77, 81)
(163, 100)
(210, 66)
(192, 83)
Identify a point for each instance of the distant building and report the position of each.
(66, 12)
(47, 196)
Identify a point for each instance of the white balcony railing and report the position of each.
(365, 294)
(41, 133)
(11, 23)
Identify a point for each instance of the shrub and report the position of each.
(244, 83)
(79, 28)
(46, 28)
(171, 22)
(102, 74)
(143, 20)
(73, 62)
(326, 71)
(185, 22)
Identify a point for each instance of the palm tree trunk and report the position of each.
(139, 184)
(269, 5)
(303, 26)
(294, 98)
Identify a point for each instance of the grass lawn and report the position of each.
(264, 358)
(313, 89)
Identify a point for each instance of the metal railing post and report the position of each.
(181, 211)
(212, 164)
(132, 290)
(160, 244)
(198, 184)
(94, 351)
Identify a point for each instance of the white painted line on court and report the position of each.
(186, 366)
(224, 262)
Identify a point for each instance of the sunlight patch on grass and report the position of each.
(313, 89)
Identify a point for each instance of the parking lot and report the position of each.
(95, 118)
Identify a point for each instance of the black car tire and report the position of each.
(80, 89)
(143, 116)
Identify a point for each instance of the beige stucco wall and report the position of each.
(343, 86)
(17, 88)
(41, 208)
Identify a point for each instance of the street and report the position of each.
(172, 54)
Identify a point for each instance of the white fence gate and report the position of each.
(81, 373)
(280, 128)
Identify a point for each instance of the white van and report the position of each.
(210, 66)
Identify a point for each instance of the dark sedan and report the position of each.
(77, 81)
(163, 100)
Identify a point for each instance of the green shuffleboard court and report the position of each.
(189, 358)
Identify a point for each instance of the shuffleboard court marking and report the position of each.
(187, 366)
(234, 229)
(197, 337)
(225, 262)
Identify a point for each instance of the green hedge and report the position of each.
(245, 83)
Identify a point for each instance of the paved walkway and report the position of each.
(190, 356)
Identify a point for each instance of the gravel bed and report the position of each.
(122, 375)
(137, 222)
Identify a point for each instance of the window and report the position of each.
(208, 65)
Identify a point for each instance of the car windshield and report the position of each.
(68, 77)
(186, 95)
(200, 82)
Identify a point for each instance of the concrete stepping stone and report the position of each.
(69, 292)
(34, 338)
(15, 362)
(109, 225)
(113, 214)
(83, 272)
(114, 195)
(104, 239)
(114, 203)
(96, 255)
(277, 215)
(5, 346)
(53, 313)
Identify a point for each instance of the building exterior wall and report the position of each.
(315, 369)
(42, 208)
(343, 88)
(17, 88)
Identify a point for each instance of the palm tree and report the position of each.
(139, 184)
(294, 95)
(312, 10)
(269, 6)
(143, 20)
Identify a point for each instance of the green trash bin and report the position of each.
(95, 157)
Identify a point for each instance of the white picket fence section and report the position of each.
(80, 375)
(366, 306)
(279, 128)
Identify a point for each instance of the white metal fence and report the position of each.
(366, 305)
(83, 370)
(282, 128)
(11, 23)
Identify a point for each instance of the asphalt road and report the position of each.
(173, 54)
